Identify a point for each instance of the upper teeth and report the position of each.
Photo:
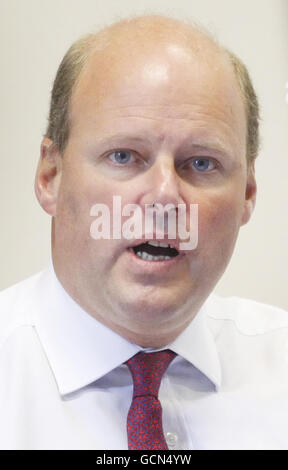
(155, 243)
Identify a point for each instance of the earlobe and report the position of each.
(48, 176)
(250, 195)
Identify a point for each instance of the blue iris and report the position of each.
(201, 164)
(121, 156)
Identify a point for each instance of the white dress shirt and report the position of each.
(64, 385)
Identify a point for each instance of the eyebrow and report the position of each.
(201, 144)
(214, 145)
(120, 136)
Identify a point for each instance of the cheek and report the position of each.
(74, 220)
(219, 222)
(78, 192)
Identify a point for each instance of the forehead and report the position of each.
(164, 82)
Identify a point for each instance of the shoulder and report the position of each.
(248, 316)
(16, 305)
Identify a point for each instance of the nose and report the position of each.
(164, 185)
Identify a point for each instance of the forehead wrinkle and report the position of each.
(196, 116)
(194, 123)
(187, 110)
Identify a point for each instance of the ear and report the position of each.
(48, 176)
(250, 195)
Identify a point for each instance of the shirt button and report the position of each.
(171, 439)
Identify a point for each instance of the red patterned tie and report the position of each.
(144, 421)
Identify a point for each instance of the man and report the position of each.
(152, 111)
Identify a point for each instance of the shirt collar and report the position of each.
(78, 347)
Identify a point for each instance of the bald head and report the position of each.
(146, 30)
(128, 41)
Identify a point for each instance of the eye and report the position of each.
(121, 157)
(203, 164)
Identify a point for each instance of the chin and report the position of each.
(157, 305)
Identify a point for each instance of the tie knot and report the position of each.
(147, 370)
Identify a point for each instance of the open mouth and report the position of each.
(155, 251)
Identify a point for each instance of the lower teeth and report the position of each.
(146, 256)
